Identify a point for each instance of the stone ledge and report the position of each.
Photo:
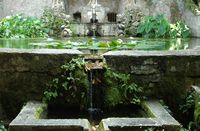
(136, 53)
(160, 118)
(41, 51)
(27, 121)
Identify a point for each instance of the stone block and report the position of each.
(144, 69)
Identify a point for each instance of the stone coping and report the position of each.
(159, 118)
(188, 52)
(197, 89)
(27, 121)
(41, 51)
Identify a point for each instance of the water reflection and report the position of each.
(104, 43)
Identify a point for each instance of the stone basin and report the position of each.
(32, 118)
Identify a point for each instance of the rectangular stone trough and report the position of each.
(158, 119)
(32, 118)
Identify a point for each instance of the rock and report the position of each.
(132, 19)
(66, 32)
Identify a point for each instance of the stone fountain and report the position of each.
(95, 14)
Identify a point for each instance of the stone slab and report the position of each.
(159, 118)
(136, 53)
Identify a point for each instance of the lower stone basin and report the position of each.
(158, 118)
(32, 118)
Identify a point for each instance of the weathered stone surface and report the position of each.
(27, 121)
(159, 117)
(193, 22)
(171, 72)
(28, 7)
(1, 8)
(25, 73)
(144, 69)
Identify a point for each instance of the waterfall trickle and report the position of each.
(95, 70)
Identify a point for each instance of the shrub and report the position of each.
(180, 30)
(71, 85)
(54, 20)
(120, 90)
(20, 26)
(159, 27)
(154, 26)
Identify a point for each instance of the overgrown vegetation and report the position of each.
(179, 30)
(190, 111)
(72, 86)
(19, 26)
(120, 90)
(159, 27)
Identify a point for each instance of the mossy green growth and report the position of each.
(113, 97)
(120, 90)
(72, 86)
(40, 111)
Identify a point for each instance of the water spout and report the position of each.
(94, 69)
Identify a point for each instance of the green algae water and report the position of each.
(106, 44)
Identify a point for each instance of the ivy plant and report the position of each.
(71, 85)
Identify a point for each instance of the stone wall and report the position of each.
(24, 74)
(26, 7)
(1, 9)
(193, 22)
(165, 74)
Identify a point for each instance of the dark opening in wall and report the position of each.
(112, 17)
(77, 16)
